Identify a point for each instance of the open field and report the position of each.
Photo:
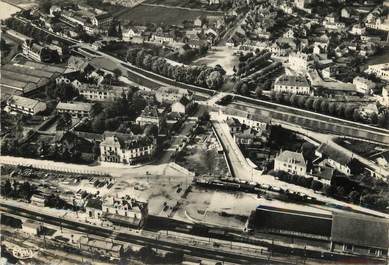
(220, 55)
(159, 14)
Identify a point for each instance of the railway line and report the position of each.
(152, 239)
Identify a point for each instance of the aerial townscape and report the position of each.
(194, 132)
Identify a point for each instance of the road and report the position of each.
(242, 170)
(113, 169)
(226, 251)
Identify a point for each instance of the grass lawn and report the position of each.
(158, 14)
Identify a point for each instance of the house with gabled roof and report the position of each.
(334, 158)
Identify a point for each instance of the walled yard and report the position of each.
(202, 155)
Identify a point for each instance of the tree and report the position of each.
(98, 124)
(309, 103)
(317, 104)
(286, 98)
(278, 96)
(244, 90)
(301, 101)
(383, 119)
(147, 61)
(316, 185)
(354, 196)
(140, 57)
(7, 189)
(214, 80)
(64, 122)
(205, 117)
(357, 115)
(339, 109)
(349, 111)
(324, 106)
(332, 108)
(45, 5)
(117, 72)
(259, 92)
(293, 100)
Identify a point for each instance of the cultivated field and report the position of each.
(159, 14)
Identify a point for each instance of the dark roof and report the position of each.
(324, 172)
(287, 220)
(360, 230)
(94, 203)
(126, 141)
(334, 154)
(104, 16)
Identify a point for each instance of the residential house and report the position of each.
(25, 105)
(71, 143)
(358, 29)
(379, 70)
(198, 22)
(248, 137)
(292, 84)
(163, 37)
(36, 52)
(322, 173)
(131, 33)
(125, 211)
(102, 20)
(345, 12)
(76, 109)
(93, 208)
(363, 85)
(150, 115)
(55, 10)
(334, 158)
(38, 200)
(126, 148)
(291, 162)
(102, 92)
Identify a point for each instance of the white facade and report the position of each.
(358, 30)
(292, 84)
(291, 162)
(299, 62)
(379, 70)
(120, 148)
(363, 85)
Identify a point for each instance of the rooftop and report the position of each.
(23, 101)
(291, 157)
(360, 230)
(292, 80)
(81, 106)
(334, 154)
